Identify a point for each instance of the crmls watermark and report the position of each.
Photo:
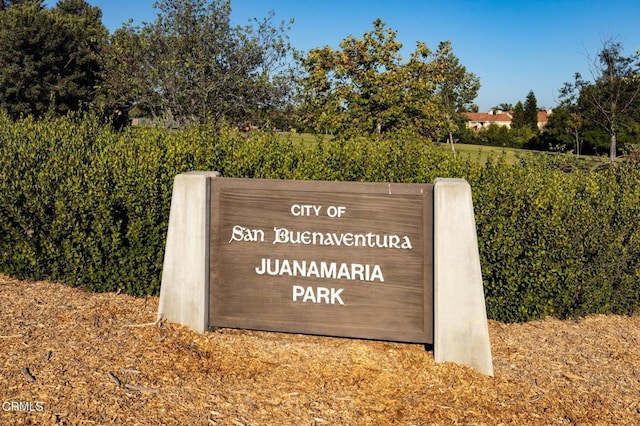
(23, 406)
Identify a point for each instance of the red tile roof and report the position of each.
(484, 117)
(543, 116)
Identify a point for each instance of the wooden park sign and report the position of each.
(332, 258)
(347, 259)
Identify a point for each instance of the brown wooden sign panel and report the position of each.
(332, 258)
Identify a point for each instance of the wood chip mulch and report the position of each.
(70, 357)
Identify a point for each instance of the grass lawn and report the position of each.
(479, 153)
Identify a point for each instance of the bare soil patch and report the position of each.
(74, 357)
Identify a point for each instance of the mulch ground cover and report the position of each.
(70, 357)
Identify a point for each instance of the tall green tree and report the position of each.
(531, 111)
(455, 90)
(50, 57)
(86, 36)
(356, 87)
(193, 65)
(557, 134)
(416, 90)
(519, 118)
(365, 87)
(124, 92)
(611, 101)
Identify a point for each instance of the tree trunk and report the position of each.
(612, 148)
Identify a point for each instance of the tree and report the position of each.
(575, 125)
(506, 107)
(82, 25)
(195, 66)
(557, 134)
(518, 119)
(49, 57)
(531, 111)
(471, 108)
(356, 88)
(365, 87)
(456, 88)
(611, 100)
(124, 92)
(4, 4)
(414, 90)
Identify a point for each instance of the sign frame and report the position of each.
(460, 331)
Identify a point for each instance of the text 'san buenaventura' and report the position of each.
(337, 239)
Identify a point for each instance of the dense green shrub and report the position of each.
(89, 207)
(84, 205)
(555, 243)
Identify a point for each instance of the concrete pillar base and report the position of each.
(184, 291)
(461, 331)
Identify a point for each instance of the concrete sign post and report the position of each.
(346, 259)
(460, 316)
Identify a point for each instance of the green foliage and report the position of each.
(364, 87)
(531, 112)
(519, 119)
(49, 57)
(121, 94)
(611, 102)
(85, 205)
(455, 90)
(89, 206)
(191, 65)
(495, 135)
(555, 243)
(558, 134)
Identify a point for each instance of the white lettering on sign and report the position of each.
(313, 269)
(313, 210)
(330, 296)
(240, 233)
(320, 269)
(336, 211)
(348, 239)
(305, 210)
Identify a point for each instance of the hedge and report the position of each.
(84, 205)
(555, 243)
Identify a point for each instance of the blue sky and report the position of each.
(512, 46)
